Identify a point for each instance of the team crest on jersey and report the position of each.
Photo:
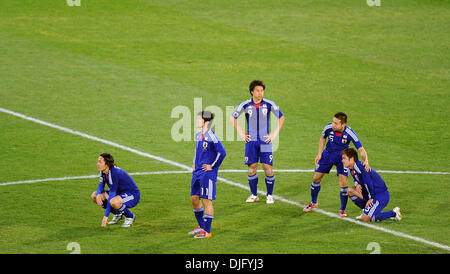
(344, 139)
(264, 109)
(205, 145)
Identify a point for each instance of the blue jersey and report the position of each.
(257, 117)
(208, 150)
(370, 181)
(118, 181)
(338, 141)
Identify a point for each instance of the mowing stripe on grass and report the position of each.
(395, 233)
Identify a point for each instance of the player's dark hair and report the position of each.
(350, 153)
(206, 115)
(254, 84)
(109, 159)
(341, 116)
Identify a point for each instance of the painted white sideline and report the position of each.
(187, 169)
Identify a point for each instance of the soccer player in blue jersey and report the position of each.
(258, 139)
(374, 185)
(209, 155)
(339, 137)
(123, 192)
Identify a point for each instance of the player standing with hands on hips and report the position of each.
(258, 139)
(209, 155)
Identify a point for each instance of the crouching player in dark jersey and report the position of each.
(123, 192)
(339, 137)
(377, 191)
(209, 155)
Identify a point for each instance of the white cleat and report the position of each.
(398, 216)
(252, 198)
(129, 221)
(270, 199)
(116, 219)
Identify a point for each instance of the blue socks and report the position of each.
(126, 211)
(270, 181)
(199, 216)
(253, 183)
(315, 188)
(384, 215)
(344, 197)
(207, 221)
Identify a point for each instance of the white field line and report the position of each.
(188, 169)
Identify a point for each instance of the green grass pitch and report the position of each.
(117, 69)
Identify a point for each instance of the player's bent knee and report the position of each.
(116, 202)
(94, 196)
(365, 218)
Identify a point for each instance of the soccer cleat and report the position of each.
(342, 214)
(252, 198)
(398, 216)
(270, 199)
(310, 207)
(358, 217)
(116, 219)
(203, 235)
(129, 221)
(195, 231)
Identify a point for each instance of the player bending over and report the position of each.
(209, 155)
(339, 137)
(123, 192)
(376, 188)
(258, 139)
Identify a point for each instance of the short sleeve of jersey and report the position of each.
(274, 108)
(326, 130)
(353, 137)
(239, 109)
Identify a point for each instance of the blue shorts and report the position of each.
(329, 159)
(380, 201)
(130, 199)
(258, 151)
(203, 184)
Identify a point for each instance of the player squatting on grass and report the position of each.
(123, 192)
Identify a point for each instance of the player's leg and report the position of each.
(356, 197)
(207, 219)
(103, 196)
(196, 205)
(121, 203)
(315, 189)
(251, 160)
(208, 194)
(253, 182)
(323, 167)
(343, 182)
(270, 181)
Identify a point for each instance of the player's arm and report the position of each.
(322, 142)
(112, 194)
(100, 190)
(368, 184)
(274, 134)
(244, 136)
(364, 157)
(220, 156)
